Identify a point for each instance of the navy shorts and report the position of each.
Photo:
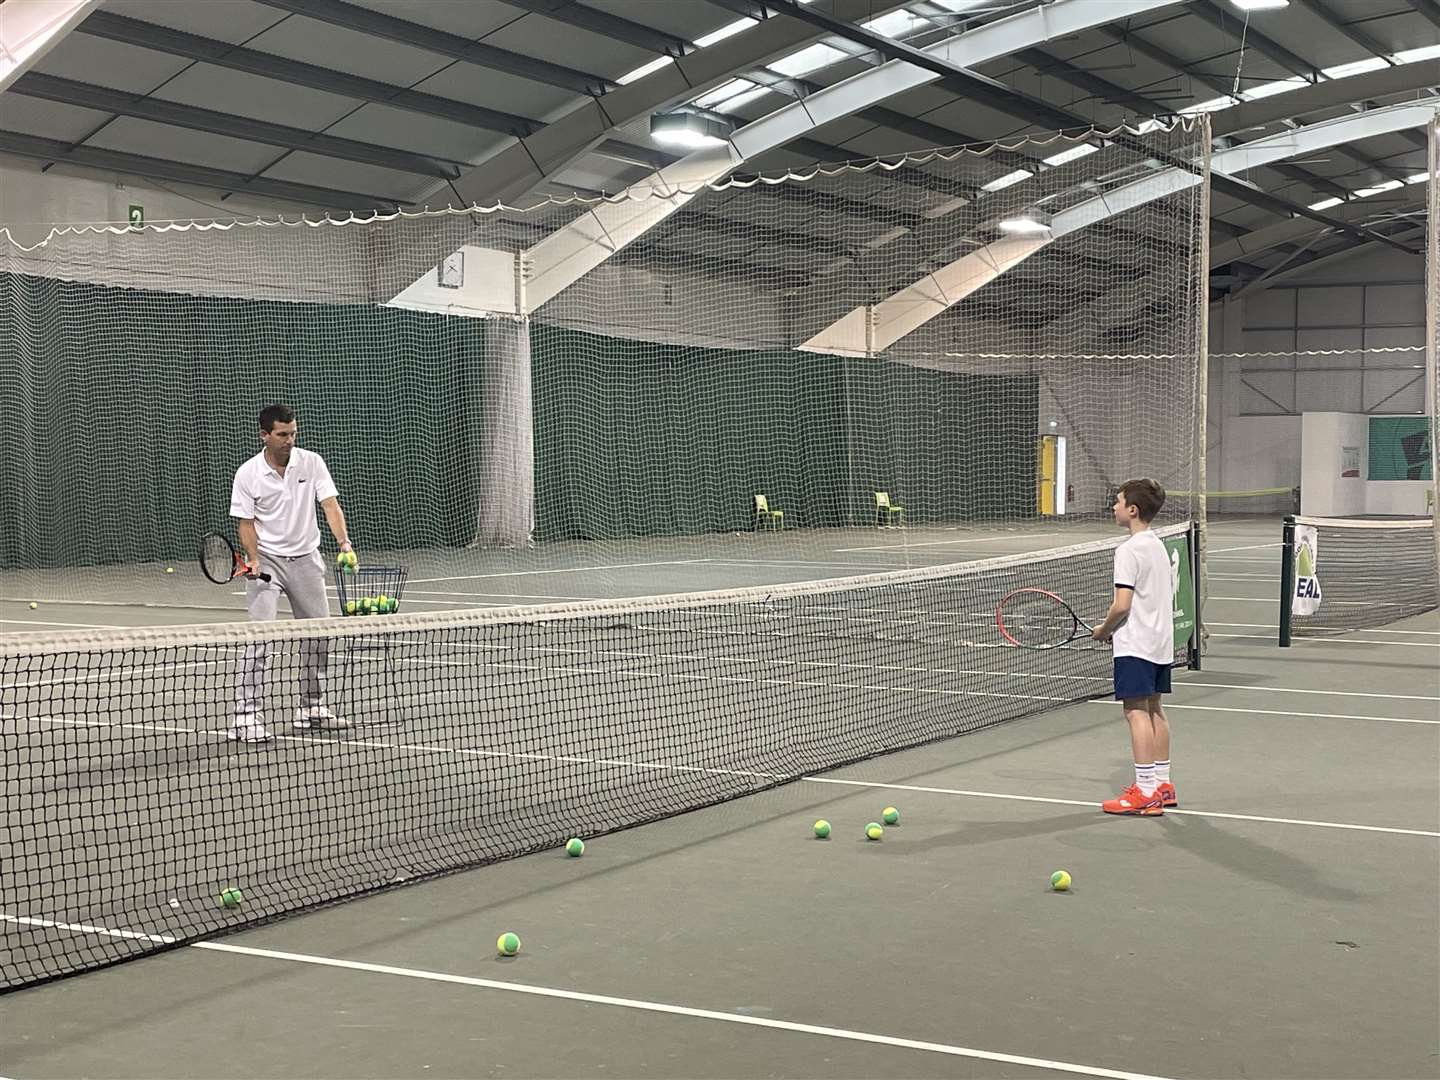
(1137, 678)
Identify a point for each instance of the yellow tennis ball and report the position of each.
(232, 897)
(890, 815)
(873, 831)
(169, 569)
(33, 605)
(1060, 880)
(507, 944)
(351, 607)
(822, 829)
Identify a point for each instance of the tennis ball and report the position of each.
(33, 605)
(169, 569)
(367, 605)
(890, 815)
(575, 847)
(822, 829)
(232, 897)
(351, 607)
(1060, 880)
(507, 944)
(873, 831)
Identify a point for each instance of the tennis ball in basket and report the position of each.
(366, 604)
(507, 944)
(350, 607)
(822, 829)
(890, 815)
(232, 897)
(1060, 880)
(575, 847)
(873, 831)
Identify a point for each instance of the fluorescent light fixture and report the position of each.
(957, 6)
(1008, 179)
(688, 130)
(1411, 56)
(1260, 5)
(724, 92)
(1074, 153)
(729, 30)
(897, 24)
(1270, 89)
(1325, 204)
(1355, 67)
(643, 70)
(1213, 105)
(809, 59)
(1388, 185)
(1031, 222)
(738, 100)
(1417, 178)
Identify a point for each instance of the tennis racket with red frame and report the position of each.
(1039, 619)
(221, 563)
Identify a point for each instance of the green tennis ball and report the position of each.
(822, 829)
(232, 897)
(169, 569)
(367, 605)
(1060, 880)
(507, 944)
(873, 831)
(890, 815)
(33, 605)
(351, 607)
(575, 847)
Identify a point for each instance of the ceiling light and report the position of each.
(1325, 204)
(1260, 5)
(1031, 222)
(1075, 152)
(644, 69)
(689, 130)
(1005, 181)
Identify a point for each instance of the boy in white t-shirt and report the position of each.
(1141, 622)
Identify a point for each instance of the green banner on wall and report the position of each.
(1399, 448)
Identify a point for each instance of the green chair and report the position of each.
(888, 515)
(765, 517)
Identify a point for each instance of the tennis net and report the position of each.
(1342, 574)
(481, 736)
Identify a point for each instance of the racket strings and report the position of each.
(1033, 618)
(217, 558)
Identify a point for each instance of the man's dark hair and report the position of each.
(271, 415)
(1147, 496)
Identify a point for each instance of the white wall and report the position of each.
(1327, 486)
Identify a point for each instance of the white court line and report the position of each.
(567, 570)
(86, 928)
(1294, 690)
(1287, 712)
(1091, 803)
(68, 625)
(1358, 630)
(1005, 537)
(672, 1010)
(1247, 547)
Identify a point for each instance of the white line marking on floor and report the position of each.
(86, 928)
(672, 1010)
(1358, 630)
(1094, 805)
(1247, 547)
(1288, 712)
(566, 570)
(1003, 538)
(1293, 690)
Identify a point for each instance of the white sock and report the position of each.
(1145, 778)
(1162, 772)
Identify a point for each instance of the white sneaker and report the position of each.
(248, 728)
(319, 718)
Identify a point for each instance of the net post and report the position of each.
(1201, 508)
(1432, 324)
(1194, 650)
(1287, 578)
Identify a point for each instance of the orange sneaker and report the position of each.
(1132, 801)
(1166, 791)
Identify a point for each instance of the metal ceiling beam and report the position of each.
(103, 99)
(54, 150)
(1405, 79)
(1339, 25)
(1258, 241)
(606, 25)
(389, 28)
(1320, 258)
(1236, 27)
(1429, 8)
(145, 35)
(28, 32)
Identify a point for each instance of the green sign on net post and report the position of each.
(1182, 582)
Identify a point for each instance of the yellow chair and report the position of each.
(764, 516)
(886, 513)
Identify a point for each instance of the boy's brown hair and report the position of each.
(1147, 496)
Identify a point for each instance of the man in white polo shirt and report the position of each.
(273, 501)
